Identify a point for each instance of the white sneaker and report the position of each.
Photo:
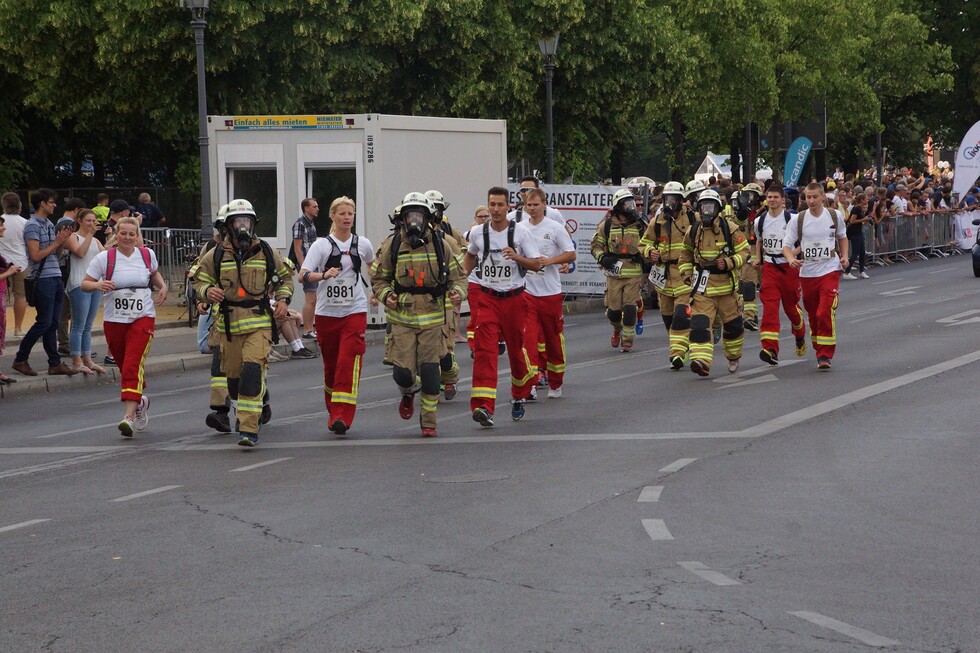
(849, 276)
(864, 275)
(554, 393)
(733, 365)
(142, 419)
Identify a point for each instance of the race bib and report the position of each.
(658, 276)
(701, 281)
(130, 303)
(497, 271)
(339, 292)
(616, 271)
(772, 245)
(818, 250)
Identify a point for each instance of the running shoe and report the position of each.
(534, 393)
(639, 326)
(338, 427)
(501, 348)
(801, 347)
(248, 439)
(543, 380)
(220, 422)
(451, 391)
(428, 433)
(733, 365)
(517, 409)
(126, 427)
(700, 368)
(849, 276)
(626, 348)
(309, 335)
(750, 324)
(303, 353)
(676, 362)
(108, 360)
(483, 416)
(823, 363)
(614, 341)
(554, 393)
(716, 334)
(266, 415)
(864, 275)
(142, 419)
(406, 407)
(769, 356)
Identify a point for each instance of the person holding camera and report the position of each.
(47, 291)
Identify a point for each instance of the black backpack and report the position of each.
(260, 302)
(510, 240)
(440, 248)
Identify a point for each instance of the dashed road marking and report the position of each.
(248, 468)
(138, 495)
(710, 575)
(677, 465)
(860, 634)
(650, 494)
(23, 524)
(657, 529)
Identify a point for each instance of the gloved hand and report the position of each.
(607, 261)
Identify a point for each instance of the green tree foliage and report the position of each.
(113, 82)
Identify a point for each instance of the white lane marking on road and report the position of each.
(943, 270)
(870, 317)
(248, 468)
(848, 398)
(677, 465)
(907, 290)
(879, 283)
(735, 378)
(860, 634)
(43, 450)
(650, 494)
(710, 575)
(106, 426)
(130, 497)
(657, 529)
(958, 319)
(476, 439)
(167, 393)
(23, 524)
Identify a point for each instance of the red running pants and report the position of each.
(129, 345)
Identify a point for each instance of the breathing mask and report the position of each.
(708, 210)
(415, 222)
(672, 204)
(242, 229)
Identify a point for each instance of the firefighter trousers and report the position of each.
(704, 309)
(780, 286)
(545, 326)
(820, 302)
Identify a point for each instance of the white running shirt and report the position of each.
(133, 298)
(552, 239)
(499, 273)
(344, 294)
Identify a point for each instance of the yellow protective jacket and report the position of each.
(414, 279)
(247, 285)
(702, 250)
(623, 242)
(668, 239)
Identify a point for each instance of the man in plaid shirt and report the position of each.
(304, 235)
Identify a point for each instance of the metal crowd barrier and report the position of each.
(174, 248)
(905, 238)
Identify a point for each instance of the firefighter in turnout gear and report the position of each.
(448, 367)
(662, 245)
(747, 205)
(240, 276)
(616, 247)
(714, 250)
(416, 270)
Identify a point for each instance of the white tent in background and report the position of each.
(718, 165)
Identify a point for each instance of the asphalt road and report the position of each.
(778, 509)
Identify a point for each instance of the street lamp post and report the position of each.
(548, 48)
(198, 10)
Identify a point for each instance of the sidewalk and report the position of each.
(174, 349)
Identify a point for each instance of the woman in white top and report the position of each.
(127, 275)
(341, 311)
(84, 304)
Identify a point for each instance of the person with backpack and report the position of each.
(616, 247)
(450, 370)
(820, 235)
(502, 252)
(417, 268)
(780, 282)
(746, 205)
(127, 275)
(240, 276)
(714, 250)
(662, 244)
(333, 266)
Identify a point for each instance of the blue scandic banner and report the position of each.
(796, 156)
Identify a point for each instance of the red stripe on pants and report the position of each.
(473, 296)
(341, 341)
(500, 316)
(545, 323)
(129, 344)
(780, 284)
(820, 302)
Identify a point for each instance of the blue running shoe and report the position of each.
(517, 409)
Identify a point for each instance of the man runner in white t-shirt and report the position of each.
(545, 322)
(502, 263)
(821, 234)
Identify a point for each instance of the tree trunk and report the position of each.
(678, 136)
(735, 158)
